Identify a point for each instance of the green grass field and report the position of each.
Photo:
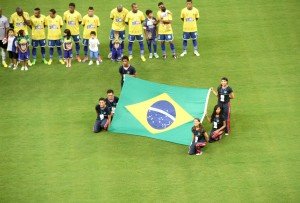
(48, 152)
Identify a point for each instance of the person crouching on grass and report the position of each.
(67, 44)
(199, 138)
(219, 124)
(103, 116)
(94, 50)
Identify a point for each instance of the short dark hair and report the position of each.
(148, 12)
(91, 8)
(133, 4)
(125, 57)
(224, 78)
(72, 4)
(189, 1)
(37, 9)
(93, 33)
(101, 99)
(160, 3)
(52, 10)
(109, 91)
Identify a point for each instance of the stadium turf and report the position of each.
(48, 152)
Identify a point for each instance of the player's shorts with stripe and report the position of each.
(76, 38)
(189, 35)
(121, 34)
(68, 54)
(23, 56)
(54, 43)
(165, 37)
(132, 38)
(36, 43)
(85, 42)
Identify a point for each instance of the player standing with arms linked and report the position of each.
(73, 19)
(135, 19)
(165, 32)
(189, 16)
(54, 23)
(118, 16)
(90, 23)
(37, 24)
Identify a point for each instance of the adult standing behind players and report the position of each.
(135, 19)
(4, 25)
(118, 16)
(54, 23)
(111, 101)
(90, 23)
(224, 94)
(73, 19)
(103, 116)
(37, 24)
(189, 16)
(126, 69)
(165, 32)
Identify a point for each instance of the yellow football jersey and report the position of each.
(38, 27)
(90, 24)
(18, 22)
(189, 19)
(164, 29)
(72, 21)
(118, 19)
(54, 27)
(135, 22)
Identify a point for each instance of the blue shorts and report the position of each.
(54, 43)
(94, 54)
(188, 35)
(23, 56)
(85, 42)
(121, 35)
(132, 38)
(68, 54)
(36, 43)
(167, 37)
(76, 38)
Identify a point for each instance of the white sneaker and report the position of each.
(15, 67)
(196, 53)
(151, 56)
(226, 133)
(25, 68)
(90, 63)
(109, 55)
(11, 65)
(183, 53)
(198, 154)
(97, 62)
(156, 55)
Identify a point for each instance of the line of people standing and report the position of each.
(159, 28)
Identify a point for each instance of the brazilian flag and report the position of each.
(159, 111)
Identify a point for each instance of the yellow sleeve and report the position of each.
(111, 14)
(197, 14)
(65, 16)
(127, 18)
(79, 17)
(61, 21)
(83, 21)
(142, 16)
(11, 19)
(98, 22)
(170, 17)
(27, 16)
(182, 14)
(31, 21)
